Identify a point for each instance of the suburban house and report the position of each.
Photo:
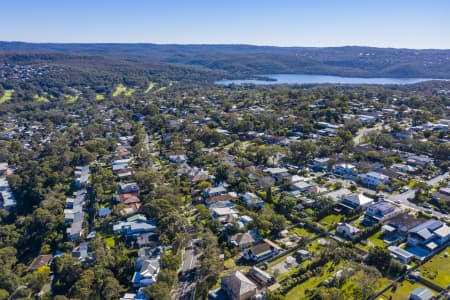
(74, 214)
(251, 200)
(429, 235)
(40, 261)
(214, 191)
(261, 277)
(346, 230)
(225, 214)
(7, 199)
(146, 272)
(81, 176)
(237, 286)
(401, 254)
(373, 179)
(400, 225)
(421, 293)
(224, 198)
(345, 170)
(355, 201)
(416, 160)
(261, 251)
(81, 252)
(178, 158)
(241, 240)
(134, 225)
(131, 187)
(301, 186)
(380, 212)
(278, 173)
(303, 254)
(320, 164)
(121, 165)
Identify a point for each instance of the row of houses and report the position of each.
(7, 199)
(74, 210)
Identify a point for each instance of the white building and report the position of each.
(373, 179)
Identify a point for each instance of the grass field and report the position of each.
(302, 232)
(372, 241)
(120, 89)
(298, 292)
(123, 90)
(437, 269)
(161, 89)
(99, 97)
(129, 92)
(70, 99)
(330, 221)
(151, 85)
(39, 98)
(403, 290)
(6, 96)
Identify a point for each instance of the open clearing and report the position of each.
(123, 90)
(39, 98)
(402, 291)
(437, 269)
(99, 97)
(151, 85)
(6, 96)
(70, 99)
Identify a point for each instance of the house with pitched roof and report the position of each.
(146, 272)
(237, 286)
(241, 240)
(262, 251)
(429, 235)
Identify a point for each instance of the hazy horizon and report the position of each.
(213, 44)
(410, 24)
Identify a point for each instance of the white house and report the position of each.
(347, 230)
(373, 179)
(354, 200)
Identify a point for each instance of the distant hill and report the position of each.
(247, 60)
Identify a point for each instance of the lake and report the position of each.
(318, 79)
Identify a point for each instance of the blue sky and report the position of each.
(383, 23)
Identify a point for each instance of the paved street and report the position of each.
(363, 131)
(188, 273)
(402, 199)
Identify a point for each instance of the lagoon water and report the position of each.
(320, 79)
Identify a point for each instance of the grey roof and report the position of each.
(430, 225)
(422, 293)
(238, 283)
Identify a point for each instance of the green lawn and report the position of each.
(99, 97)
(302, 232)
(129, 92)
(71, 99)
(6, 96)
(372, 241)
(161, 89)
(298, 292)
(330, 221)
(403, 290)
(39, 98)
(437, 269)
(120, 89)
(151, 85)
